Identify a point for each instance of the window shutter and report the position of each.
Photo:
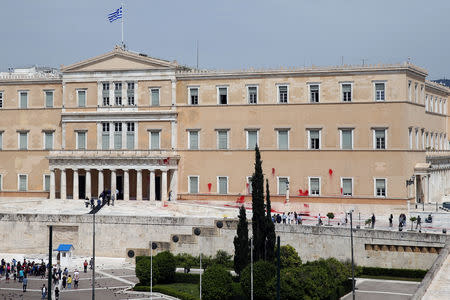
(314, 184)
(155, 97)
(252, 139)
(81, 140)
(82, 98)
(379, 86)
(130, 141)
(283, 139)
(22, 182)
(48, 140)
(282, 186)
(23, 100)
(222, 91)
(222, 185)
(314, 134)
(223, 139)
(193, 185)
(105, 141)
(346, 88)
(154, 140)
(193, 142)
(250, 188)
(380, 184)
(23, 141)
(47, 183)
(379, 133)
(194, 92)
(1, 140)
(118, 140)
(49, 99)
(347, 186)
(346, 139)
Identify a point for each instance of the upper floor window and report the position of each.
(380, 91)
(155, 96)
(409, 91)
(193, 184)
(23, 140)
(48, 98)
(283, 139)
(283, 93)
(48, 140)
(193, 96)
(105, 93)
(118, 93)
(380, 187)
(105, 136)
(314, 186)
(81, 95)
(81, 140)
(130, 135)
(314, 93)
(1, 99)
(155, 140)
(193, 139)
(252, 94)
(117, 135)
(222, 95)
(222, 139)
(379, 136)
(426, 102)
(416, 93)
(252, 139)
(314, 139)
(347, 139)
(346, 92)
(23, 99)
(130, 93)
(347, 186)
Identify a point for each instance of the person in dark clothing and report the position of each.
(419, 223)
(373, 221)
(92, 202)
(278, 218)
(391, 218)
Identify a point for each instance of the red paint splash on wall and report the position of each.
(330, 172)
(209, 187)
(273, 171)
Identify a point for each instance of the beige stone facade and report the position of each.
(153, 129)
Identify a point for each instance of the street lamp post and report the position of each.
(93, 255)
(251, 268)
(353, 265)
(152, 247)
(197, 232)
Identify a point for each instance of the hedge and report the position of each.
(406, 273)
(187, 278)
(165, 290)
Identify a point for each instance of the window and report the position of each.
(193, 139)
(155, 97)
(347, 139)
(48, 140)
(249, 185)
(409, 91)
(48, 98)
(440, 106)
(347, 186)
(118, 93)
(283, 139)
(283, 185)
(314, 139)
(252, 139)
(154, 140)
(380, 187)
(252, 94)
(222, 139)
(23, 99)
(417, 138)
(193, 96)
(380, 91)
(426, 102)
(222, 185)
(314, 186)
(105, 136)
(23, 183)
(1, 182)
(314, 92)
(193, 184)
(81, 98)
(222, 95)
(130, 93)
(23, 140)
(1, 99)
(105, 93)
(117, 136)
(346, 92)
(46, 183)
(410, 138)
(380, 138)
(81, 140)
(283, 95)
(1, 140)
(130, 135)
(416, 91)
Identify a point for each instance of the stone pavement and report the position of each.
(375, 289)
(440, 287)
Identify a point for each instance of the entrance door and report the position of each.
(119, 185)
(158, 188)
(81, 186)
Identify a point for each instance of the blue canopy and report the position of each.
(64, 247)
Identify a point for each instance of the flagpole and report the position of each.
(123, 16)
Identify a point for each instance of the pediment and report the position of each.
(120, 60)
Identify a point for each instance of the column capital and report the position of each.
(88, 170)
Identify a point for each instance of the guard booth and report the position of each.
(64, 256)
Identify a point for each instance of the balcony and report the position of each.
(161, 154)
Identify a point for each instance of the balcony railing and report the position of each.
(113, 153)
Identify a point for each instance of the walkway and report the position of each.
(440, 288)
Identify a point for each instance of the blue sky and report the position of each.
(232, 34)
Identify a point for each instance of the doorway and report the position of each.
(158, 188)
(81, 186)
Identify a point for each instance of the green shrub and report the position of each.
(289, 257)
(143, 270)
(187, 278)
(263, 272)
(164, 264)
(186, 261)
(217, 283)
(406, 273)
(224, 259)
(165, 290)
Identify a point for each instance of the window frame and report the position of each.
(342, 91)
(27, 92)
(155, 88)
(227, 131)
(247, 137)
(19, 132)
(375, 187)
(44, 133)
(45, 98)
(309, 92)
(309, 138)
(43, 182)
(278, 93)
(278, 184)
(150, 131)
(374, 139)
(341, 137)
(342, 186)
(248, 86)
(85, 97)
(248, 190)
(190, 95)
(18, 182)
(375, 90)
(278, 138)
(1, 140)
(218, 94)
(189, 138)
(85, 139)
(189, 183)
(309, 186)
(218, 185)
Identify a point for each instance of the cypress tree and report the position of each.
(270, 228)
(259, 218)
(241, 243)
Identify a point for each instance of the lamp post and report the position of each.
(251, 268)
(197, 232)
(153, 246)
(351, 242)
(93, 255)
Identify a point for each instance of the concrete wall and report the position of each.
(115, 235)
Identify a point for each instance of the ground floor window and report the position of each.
(23, 182)
(314, 186)
(222, 185)
(282, 185)
(380, 187)
(47, 183)
(193, 184)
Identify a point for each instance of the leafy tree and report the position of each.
(164, 266)
(289, 257)
(259, 219)
(263, 272)
(270, 228)
(224, 259)
(241, 244)
(217, 283)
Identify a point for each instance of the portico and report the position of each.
(132, 175)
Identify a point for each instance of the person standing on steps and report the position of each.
(373, 221)
(24, 284)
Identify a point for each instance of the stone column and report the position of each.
(139, 185)
(126, 185)
(113, 183)
(75, 184)
(52, 184)
(174, 185)
(88, 183)
(100, 182)
(152, 185)
(164, 185)
(63, 184)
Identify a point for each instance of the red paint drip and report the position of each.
(209, 187)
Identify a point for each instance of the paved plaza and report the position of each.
(374, 289)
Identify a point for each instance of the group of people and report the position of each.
(290, 218)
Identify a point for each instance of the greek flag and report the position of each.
(115, 15)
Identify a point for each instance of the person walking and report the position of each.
(85, 265)
(69, 282)
(391, 219)
(56, 293)
(76, 277)
(64, 281)
(44, 291)
(24, 284)
(373, 221)
(21, 274)
(284, 218)
(419, 223)
(91, 263)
